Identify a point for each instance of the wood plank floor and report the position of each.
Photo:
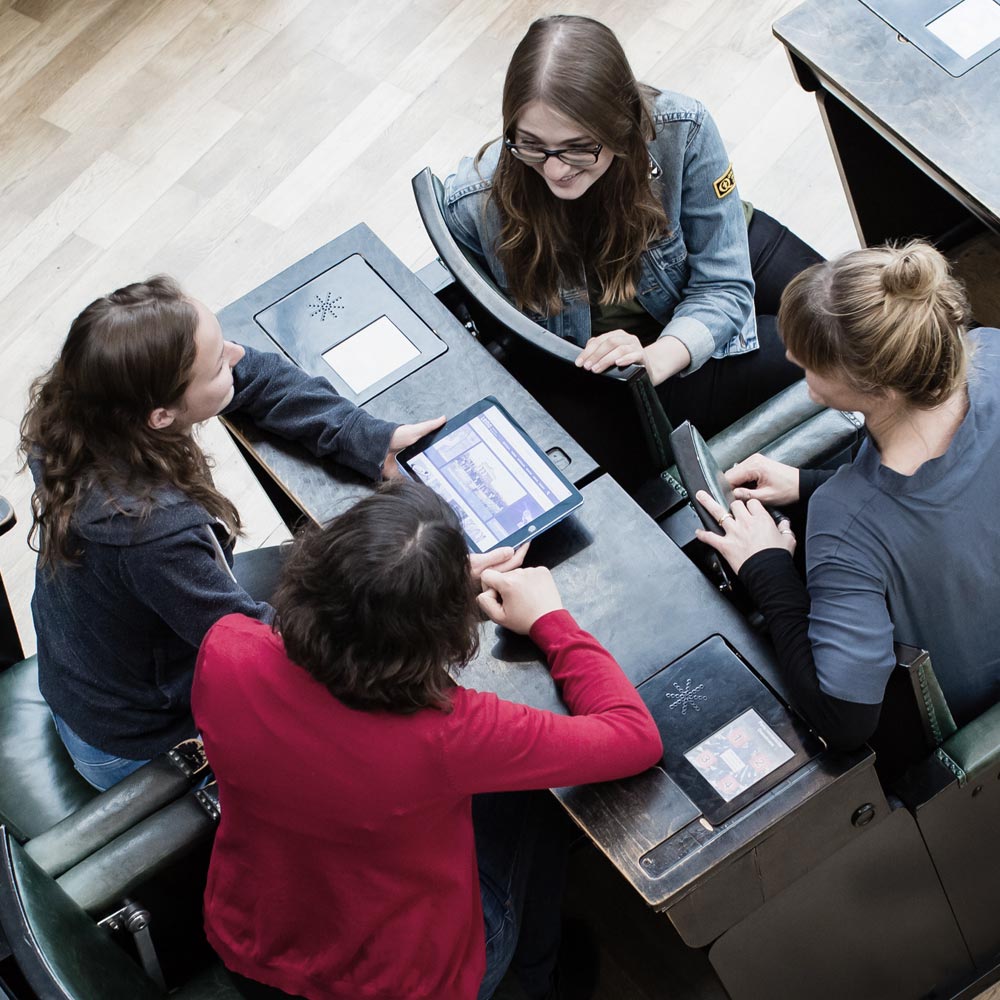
(221, 140)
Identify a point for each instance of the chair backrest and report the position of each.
(622, 423)
(476, 280)
(915, 719)
(38, 783)
(59, 949)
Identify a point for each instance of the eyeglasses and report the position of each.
(572, 156)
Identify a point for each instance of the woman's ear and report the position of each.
(161, 418)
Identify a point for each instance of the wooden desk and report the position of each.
(462, 375)
(742, 886)
(918, 149)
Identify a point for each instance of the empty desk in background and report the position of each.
(354, 291)
(918, 148)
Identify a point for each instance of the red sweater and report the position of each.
(344, 865)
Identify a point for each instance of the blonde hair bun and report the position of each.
(882, 318)
(914, 271)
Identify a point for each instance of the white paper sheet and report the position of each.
(969, 26)
(370, 354)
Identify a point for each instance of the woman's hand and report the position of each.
(775, 484)
(519, 598)
(402, 437)
(662, 359)
(502, 560)
(614, 348)
(748, 529)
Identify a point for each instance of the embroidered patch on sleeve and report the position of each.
(725, 184)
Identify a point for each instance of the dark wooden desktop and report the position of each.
(741, 886)
(918, 149)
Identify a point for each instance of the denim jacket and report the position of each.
(695, 280)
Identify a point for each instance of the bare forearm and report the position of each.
(665, 358)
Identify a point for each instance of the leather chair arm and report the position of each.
(974, 750)
(763, 425)
(816, 439)
(105, 817)
(7, 517)
(98, 883)
(427, 190)
(789, 428)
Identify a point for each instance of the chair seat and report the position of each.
(211, 984)
(38, 784)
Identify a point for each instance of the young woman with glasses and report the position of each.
(608, 212)
(379, 836)
(135, 540)
(900, 544)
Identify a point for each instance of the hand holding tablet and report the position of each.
(503, 487)
(698, 470)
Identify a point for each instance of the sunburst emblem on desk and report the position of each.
(325, 305)
(685, 697)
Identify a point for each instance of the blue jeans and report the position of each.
(101, 769)
(522, 843)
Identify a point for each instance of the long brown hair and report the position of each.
(379, 603)
(889, 317)
(577, 67)
(127, 353)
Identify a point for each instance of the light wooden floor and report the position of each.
(221, 141)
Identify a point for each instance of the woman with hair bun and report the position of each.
(901, 545)
(608, 212)
(134, 539)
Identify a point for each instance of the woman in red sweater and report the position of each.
(345, 864)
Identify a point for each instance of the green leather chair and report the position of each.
(64, 955)
(43, 799)
(953, 792)
(789, 427)
(38, 784)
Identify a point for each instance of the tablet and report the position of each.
(503, 487)
(698, 470)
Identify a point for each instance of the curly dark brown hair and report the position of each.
(87, 421)
(378, 604)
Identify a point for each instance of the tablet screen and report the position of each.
(493, 478)
(739, 755)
